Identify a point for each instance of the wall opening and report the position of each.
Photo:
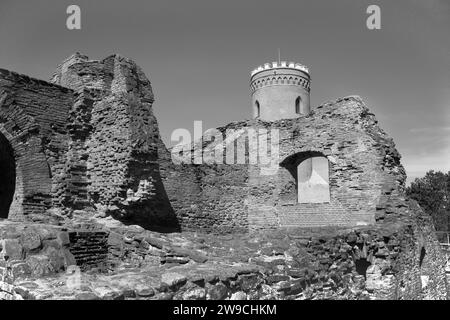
(7, 176)
(422, 256)
(311, 173)
(258, 109)
(361, 266)
(298, 102)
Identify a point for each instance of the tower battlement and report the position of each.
(282, 64)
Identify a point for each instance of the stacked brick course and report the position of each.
(33, 115)
(89, 248)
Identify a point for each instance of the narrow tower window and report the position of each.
(258, 111)
(297, 105)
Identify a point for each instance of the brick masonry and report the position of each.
(86, 140)
(89, 248)
(87, 143)
(364, 167)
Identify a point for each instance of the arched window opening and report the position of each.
(258, 109)
(297, 105)
(311, 173)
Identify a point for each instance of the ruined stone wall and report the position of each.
(364, 167)
(33, 118)
(206, 198)
(383, 261)
(96, 144)
(121, 149)
(30, 251)
(363, 164)
(89, 248)
(432, 259)
(88, 140)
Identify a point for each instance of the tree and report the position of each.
(432, 192)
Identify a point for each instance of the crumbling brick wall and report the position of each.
(364, 167)
(33, 115)
(121, 150)
(88, 140)
(89, 248)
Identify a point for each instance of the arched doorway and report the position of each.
(7, 176)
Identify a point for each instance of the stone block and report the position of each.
(276, 278)
(9, 288)
(69, 259)
(40, 265)
(86, 296)
(21, 270)
(194, 294)
(240, 295)
(30, 240)
(144, 291)
(173, 279)
(217, 292)
(12, 249)
(6, 296)
(63, 238)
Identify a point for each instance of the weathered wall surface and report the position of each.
(121, 148)
(33, 251)
(87, 140)
(364, 168)
(90, 140)
(89, 248)
(33, 118)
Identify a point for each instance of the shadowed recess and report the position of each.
(7, 176)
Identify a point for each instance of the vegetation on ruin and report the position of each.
(432, 192)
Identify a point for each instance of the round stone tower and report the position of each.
(280, 90)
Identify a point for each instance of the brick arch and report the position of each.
(293, 160)
(310, 170)
(33, 183)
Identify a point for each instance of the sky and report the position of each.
(198, 55)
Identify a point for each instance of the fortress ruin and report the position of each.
(85, 146)
(88, 140)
